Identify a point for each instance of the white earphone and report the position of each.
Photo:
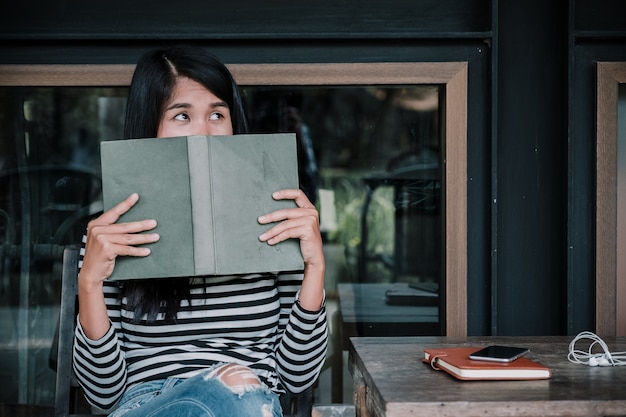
(598, 361)
(605, 358)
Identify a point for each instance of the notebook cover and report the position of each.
(457, 363)
(206, 193)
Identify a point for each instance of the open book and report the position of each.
(206, 193)
(456, 362)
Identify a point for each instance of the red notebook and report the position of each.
(457, 363)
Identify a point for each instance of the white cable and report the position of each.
(588, 357)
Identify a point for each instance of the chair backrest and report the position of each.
(65, 332)
(66, 389)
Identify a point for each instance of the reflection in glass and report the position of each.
(378, 149)
(370, 158)
(49, 185)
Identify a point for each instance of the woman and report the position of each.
(224, 346)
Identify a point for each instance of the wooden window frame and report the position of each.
(608, 278)
(452, 75)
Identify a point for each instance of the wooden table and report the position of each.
(364, 312)
(391, 380)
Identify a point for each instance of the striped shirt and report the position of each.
(253, 320)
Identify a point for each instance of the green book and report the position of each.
(206, 193)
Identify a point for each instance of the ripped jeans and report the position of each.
(224, 391)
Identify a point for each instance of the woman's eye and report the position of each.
(216, 116)
(181, 116)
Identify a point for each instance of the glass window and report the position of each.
(375, 153)
(370, 157)
(49, 185)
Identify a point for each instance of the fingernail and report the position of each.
(263, 237)
(261, 219)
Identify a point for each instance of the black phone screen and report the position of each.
(499, 353)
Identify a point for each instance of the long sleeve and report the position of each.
(99, 365)
(302, 349)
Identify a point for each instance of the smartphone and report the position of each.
(497, 353)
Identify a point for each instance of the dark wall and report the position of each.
(531, 168)
(530, 258)
(242, 19)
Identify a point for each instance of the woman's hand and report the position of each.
(301, 222)
(106, 240)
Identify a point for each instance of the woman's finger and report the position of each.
(112, 215)
(122, 228)
(302, 228)
(285, 214)
(130, 239)
(295, 194)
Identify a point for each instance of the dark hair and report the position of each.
(153, 82)
(155, 77)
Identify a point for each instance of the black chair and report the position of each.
(69, 400)
(67, 395)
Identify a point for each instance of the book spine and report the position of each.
(201, 207)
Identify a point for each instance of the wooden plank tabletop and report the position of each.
(391, 380)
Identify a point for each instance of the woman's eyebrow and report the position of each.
(178, 106)
(188, 105)
(219, 104)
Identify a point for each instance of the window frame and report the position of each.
(453, 76)
(609, 76)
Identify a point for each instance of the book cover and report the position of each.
(206, 193)
(456, 362)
